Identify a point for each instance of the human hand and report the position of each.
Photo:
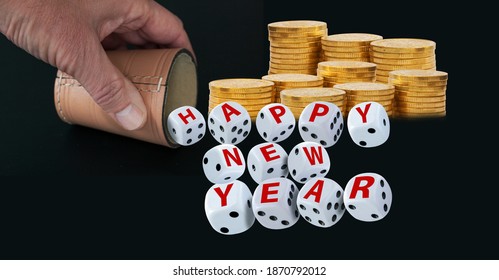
(72, 35)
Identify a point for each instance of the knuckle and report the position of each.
(109, 94)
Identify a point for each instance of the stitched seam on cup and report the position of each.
(134, 79)
(59, 106)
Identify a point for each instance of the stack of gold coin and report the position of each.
(340, 72)
(252, 94)
(348, 46)
(419, 93)
(288, 81)
(297, 99)
(402, 54)
(295, 46)
(359, 92)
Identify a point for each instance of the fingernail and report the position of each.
(130, 118)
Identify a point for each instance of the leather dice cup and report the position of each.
(166, 79)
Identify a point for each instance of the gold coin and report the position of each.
(356, 97)
(424, 99)
(421, 110)
(293, 56)
(279, 89)
(297, 26)
(265, 100)
(255, 107)
(303, 52)
(295, 45)
(296, 110)
(350, 80)
(403, 104)
(380, 72)
(403, 45)
(293, 40)
(381, 79)
(364, 49)
(313, 61)
(421, 94)
(303, 104)
(330, 84)
(361, 59)
(419, 75)
(411, 61)
(343, 80)
(346, 55)
(350, 66)
(319, 33)
(375, 54)
(293, 79)
(340, 74)
(273, 71)
(387, 104)
(420, 89)
(352, 104)
(350, 39)
(250, 112)
(229, 95)
(242, 85)
(295, 50)
(366, 88)
(398, 82)
(386, 67)
(292, 66)
(308, 94)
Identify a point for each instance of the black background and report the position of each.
(70, 192)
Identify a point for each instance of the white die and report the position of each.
(267, 160)
(320, 202)
(223, 163)
(368, 197)
(368, 124)
(274, 203)
(186, 125)
(229, 122)
(275, 122)
(321, 122)
(308, 160)
(228, 207)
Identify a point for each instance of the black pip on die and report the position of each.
(320, 202)
(228, 207)
(274, 203)
(186, 125)
(368, 197)
(223, 163)
(267, 160)
(229, 122)
(321, 122)
(368, 124)
(275, 122)
(277, 202)
(308, 160)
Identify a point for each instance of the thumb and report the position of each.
(109, 88)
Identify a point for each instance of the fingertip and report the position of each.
(131, 118)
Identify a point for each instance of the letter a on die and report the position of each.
(229, 122)
(320, 202)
